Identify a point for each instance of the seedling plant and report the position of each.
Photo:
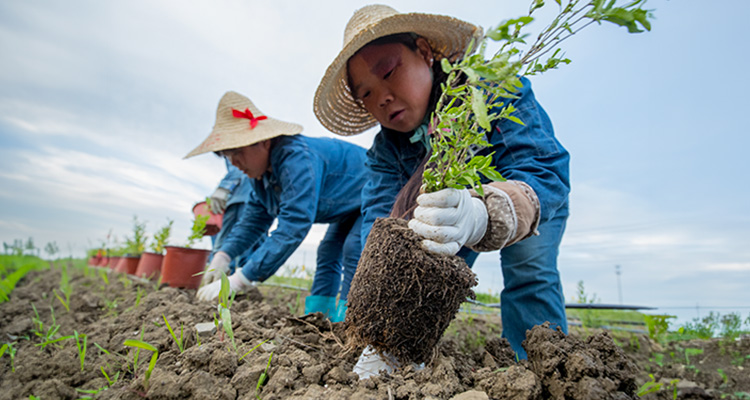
(475, 92)
(161, 237)
(139, 344)
(11, 353)
(198, 229)
(180, 342)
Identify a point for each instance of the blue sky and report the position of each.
(99, 102)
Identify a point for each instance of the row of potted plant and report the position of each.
(177, 266)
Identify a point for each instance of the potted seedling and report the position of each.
(419, 291)
(182, 265)
(213, 224)
(134, 247)
(151, 261)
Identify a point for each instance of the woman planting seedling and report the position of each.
(461, 115)
(299, 181)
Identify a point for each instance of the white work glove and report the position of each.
(219, 200)
(219, 264)
(449, 219)
(237, 284)
(370, 364)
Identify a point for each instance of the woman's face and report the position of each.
(252, 160)
(393, 82)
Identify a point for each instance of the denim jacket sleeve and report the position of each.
(300, 176)
(530, 153)
(384, 182)
(252, 224)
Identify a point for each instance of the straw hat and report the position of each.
(334, 105)
(239, 123)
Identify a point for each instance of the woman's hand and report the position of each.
(449, 219)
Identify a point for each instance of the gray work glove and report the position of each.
(219, 200)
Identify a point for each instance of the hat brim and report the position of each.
(334, 105)
(238, 134)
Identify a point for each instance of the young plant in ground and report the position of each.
(81, 340)
(658, 326)
(136, 244)
(139, 344)
(11, 353)
(253, 349)
(197, 230)
(112, 381)
(65, 288)
(226, 323)
(263, 377)
(469, 102)
(180, 342)
(47, 335)
(651, 386)
(226, 297)
(103, 275)
(689, 352)
(161, 237)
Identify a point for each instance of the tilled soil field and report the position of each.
(282, 356)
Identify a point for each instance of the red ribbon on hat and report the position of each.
(249, 115)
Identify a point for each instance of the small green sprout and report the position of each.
(103, 275)
(253, 349)
(226, 322)
(11, 353)
(180, 342)
(263, 377)
(113, 380)
(139, 344)
(649, 387)
(65, 288)
(81, 340)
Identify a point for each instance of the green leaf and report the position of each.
(446, 65)
(492, 174)
(479, 108)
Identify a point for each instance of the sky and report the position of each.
(100, 102)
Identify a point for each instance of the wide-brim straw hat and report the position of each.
(232, 131)
(334, 104)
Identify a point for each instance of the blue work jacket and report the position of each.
(310, 180)
(529, 153)
(237, 183)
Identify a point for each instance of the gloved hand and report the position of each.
(219, 264)
(370, 364)
(449, 219)
(219, 200)
(237, 284)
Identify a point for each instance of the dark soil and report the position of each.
(308, 359)
(403, 298)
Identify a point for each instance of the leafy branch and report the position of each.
(473, 95)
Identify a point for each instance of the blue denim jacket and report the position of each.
(311, 180)
(237, 183)
(529, 153)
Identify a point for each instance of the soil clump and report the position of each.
(402, 297)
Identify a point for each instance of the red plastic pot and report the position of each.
(94, 260)
(113, 261)
(213, 226)
(103, 262)
(150, 266)
(127, 264)
(181, 265)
